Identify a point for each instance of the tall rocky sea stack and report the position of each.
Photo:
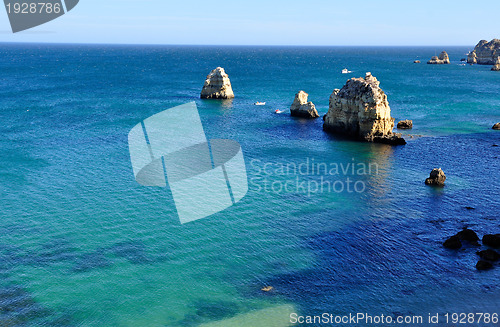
(217, 85)
(302, 108)
(442, 59)
(485, 53)
(361, 110)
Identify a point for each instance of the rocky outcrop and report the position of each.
(301, 108)
(467, 235)
(485, 53)
(496, 126)
(496, 66)
(436, 178)
(442, 59)
(489, 255)
(492, 240)
(217, 85)
(416, 62)
(361, 110)
(405, 124)
(484, 265)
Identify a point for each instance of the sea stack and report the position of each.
(405, 124)
(217, 85)
(443, 59)
(301, 108)
(485, 53)
(436, 178)
(361, 110)
(496, 66)
(496, 126)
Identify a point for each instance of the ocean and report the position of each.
(83, 244)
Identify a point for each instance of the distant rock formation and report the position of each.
(442, 59)
(485, 53)
(496, 126)
(301, 108)
(361, 110)
(437, 177)
(217, 85)
(496, 66)
(416, 62)
(405, 124)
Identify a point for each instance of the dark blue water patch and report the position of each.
(18, 308)
(134, 251)
(91, 261)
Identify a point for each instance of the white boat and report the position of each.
(277, 111)
(346, 71)
(260, 103)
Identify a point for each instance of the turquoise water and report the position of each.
(82, 244)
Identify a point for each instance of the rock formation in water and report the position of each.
(217, 85)
(301, 108)
(485, 53)
(496, 66)
(437, 177)
(492, 240)
(496, 126)
(442, 59)
(405, 124)
(361, 110)
(416, 62)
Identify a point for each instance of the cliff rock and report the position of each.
(217, 85)
(436, 178)
(361, 110)
(301, 108)
(496, 126)
(496, 66)
(405, 124)
(485, 53)
(442, 59)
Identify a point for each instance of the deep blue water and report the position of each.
(82, 244)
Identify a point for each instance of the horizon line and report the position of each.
(232, 45)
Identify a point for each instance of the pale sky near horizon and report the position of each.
(268, 22)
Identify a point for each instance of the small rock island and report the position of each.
(485, 53)
(217, 85)
(301, 108)
(443, 59)
(361, 110)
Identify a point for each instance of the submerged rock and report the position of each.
(492, 240)
(453, 243)
(436, 178)
(442, 59)
(489, 255)
(496, 126)
(468, 235)
(405, 124)
(485, 53)
(496, 66)
(484, 265)
(267, 289)
(361, 110)
(217, 85)
(301, 108)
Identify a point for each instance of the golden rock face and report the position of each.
(360, 109)
(217, 85)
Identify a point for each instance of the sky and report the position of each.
(269, 22)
